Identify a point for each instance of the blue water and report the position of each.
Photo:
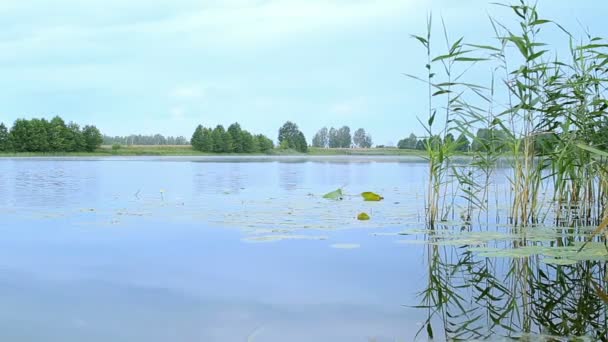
(167, 249)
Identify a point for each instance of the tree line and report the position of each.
(485, 140)
(41, 135)
(341, 138)
(231, 140)
(156, 139)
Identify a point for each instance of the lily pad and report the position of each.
(335, 195)
(363, 217)
(371, 196)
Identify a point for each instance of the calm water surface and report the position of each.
(212, 249)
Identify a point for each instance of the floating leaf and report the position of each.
(335, 195)
(372, 197)
(363, 217)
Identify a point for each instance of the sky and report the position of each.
(152, 66)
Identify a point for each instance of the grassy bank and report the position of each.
(182, 150)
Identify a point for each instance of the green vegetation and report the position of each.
(43, 136)
(233, 140)
(547, 114)
(341, 138)
(290, 137)
(156, 139)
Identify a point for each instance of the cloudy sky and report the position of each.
(148, 66)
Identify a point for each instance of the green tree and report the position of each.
(197, 138)
(207, 140)
(321, 138)
(291, 137)
(5, 140)
(333, 139)
(248, 143)
(362, 139)
(37, 136)
(57, 134)
(92, 138)
(236, 134)
(462, 143)
(74, 140)
(301, 145)
(359, 137)
(408, 143)
(344, 137)
(266, 145)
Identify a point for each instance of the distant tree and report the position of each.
(207, 143)
(197, 138)
(247, 144)
(236, 134)
(421, 144)
(333, 140)
(301, 145)
(218, 136)
(487, 140)
(57, 134)
(291, 137)
(449, 138)
(19, 135)
(5, 140)
(266, 145)
(408, 143)
(37, 136)
(321, 139)
(463, 144)
(92, 138)
(367, 141)
(358, 137)
(362, 139)
(344, 137)
(74, 140)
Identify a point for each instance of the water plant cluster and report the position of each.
(528, 254)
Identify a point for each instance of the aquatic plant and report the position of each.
(545, 118)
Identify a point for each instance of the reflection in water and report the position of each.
(291, 176)
(41, 184)
(473, 297)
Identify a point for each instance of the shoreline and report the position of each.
(187, 151)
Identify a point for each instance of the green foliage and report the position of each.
(321, 138)
(371, 196)
(138, 139)
(408, 143)
(236, 136)
(74, 140)
(361, 139)
(43, 136)
(92, 138)
(116, 147)
(5, 140)
(335, 195)
(290, 136)
(233, 140)
(265, 143)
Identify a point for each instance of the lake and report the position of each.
(208, 249)
(247, 249)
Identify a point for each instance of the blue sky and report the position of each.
(165, 66)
